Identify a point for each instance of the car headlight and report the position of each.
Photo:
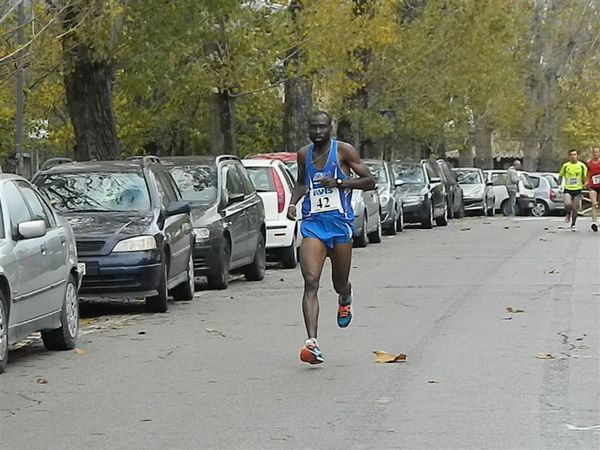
(414, 198)
(136, 244)
(201, 233)
(384, 198)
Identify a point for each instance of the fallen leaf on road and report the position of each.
(506, 318)
(41, 380)
(145, 420)
(384, 357)
(543, 240)
(465, 229)
(546, 228)
(545, 356)
(487, 223)
(142, 332)
(79, 351)
(432, 381)
(507, 228)
(214, 332)
(552, 271)
(281, 279)
(512, 310)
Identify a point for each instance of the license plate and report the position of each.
(81, 268)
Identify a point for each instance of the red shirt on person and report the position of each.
(594, 174)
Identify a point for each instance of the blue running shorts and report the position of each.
(330, 232)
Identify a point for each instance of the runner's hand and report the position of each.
(328, 182)
(291, 212)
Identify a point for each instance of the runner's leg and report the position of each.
(341, 261)
(312, 257)
(594, 199)
(568, 200)
(575, 208)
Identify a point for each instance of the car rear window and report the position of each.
(379, 173)
(95, 191)
(262, 178)
(551, 180)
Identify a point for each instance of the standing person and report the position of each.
(512, 185)
(324, 175)
(574, 172)
(593, 184)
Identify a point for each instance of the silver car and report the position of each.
(548, 197)
(478, 194)
(367, 221)
(39, 274)
(390, 196)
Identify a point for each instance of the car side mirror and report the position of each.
(435, 180)
(236, 198)
(176, 208)
(31, 229)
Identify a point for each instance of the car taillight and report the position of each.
(552, 194)
(280, 191)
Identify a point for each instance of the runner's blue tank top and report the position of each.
(331, 169)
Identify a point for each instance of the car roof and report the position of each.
(466, 168)
(10, 176)
(201, 160)
(96, 166)
(407, 163)
(261, 162)
(283, 156)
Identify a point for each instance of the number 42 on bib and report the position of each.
(325, 199)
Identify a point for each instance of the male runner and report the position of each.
(324, 175)
(574, 173)
(593, 184)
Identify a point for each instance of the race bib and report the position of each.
(596, 179)
(573, 181)
(325, 199)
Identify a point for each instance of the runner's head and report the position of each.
(596, 153)
(573, 155)
(319, 127)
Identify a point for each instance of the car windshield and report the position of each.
(96, 191)
(293, 166)
(468, 176)
(379, 173)
(409, 174)
(262, 178)
(197, 183)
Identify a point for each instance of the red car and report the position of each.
(289, 158)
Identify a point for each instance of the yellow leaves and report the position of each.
(384, 357)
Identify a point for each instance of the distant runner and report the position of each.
(593, 184)
(574, 173)
(324, 170)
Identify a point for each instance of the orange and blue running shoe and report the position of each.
(344, 314)
(310, 352)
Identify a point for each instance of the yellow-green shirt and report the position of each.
(574, 174)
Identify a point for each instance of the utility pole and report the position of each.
(20, 96)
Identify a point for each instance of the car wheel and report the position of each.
(289, 255)
(391, 230)
(428, 222)
(185, 291)
(442, 221)
(65, 337)
(256, 270)
(400, 223)
(540, 209)
(158, 303)
(362, 240)
(375, 236)
(220, 280)
(491, 212)
(3, 332)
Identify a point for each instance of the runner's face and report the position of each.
(319, 129)
(596, 153)
(573, 156)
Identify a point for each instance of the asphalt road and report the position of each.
(222, 371)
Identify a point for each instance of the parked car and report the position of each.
(525, 201)
(39, 273)
(275, 183)
(454, 192)
(389, 196)
(478, 194)
(290, 159)
(367, 219)
(133, 232)
(423, 193)
(549, 198)
(228, 217)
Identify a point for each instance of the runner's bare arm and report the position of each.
(299, 186)
(349, 157)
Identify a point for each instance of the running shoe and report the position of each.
(595, 227)
(344, 314)
(310, 352)
(573, 228)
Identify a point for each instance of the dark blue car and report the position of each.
(133, 232)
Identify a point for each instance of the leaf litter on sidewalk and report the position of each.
(510, 309)
(385, 357)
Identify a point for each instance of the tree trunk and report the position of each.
(88, 89)
(482, 139)
(465, 156)
(222, 113)
(298, 103)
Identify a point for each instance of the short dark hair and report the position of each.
(320, 112)
(572, 150)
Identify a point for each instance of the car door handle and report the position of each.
(43, 248)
